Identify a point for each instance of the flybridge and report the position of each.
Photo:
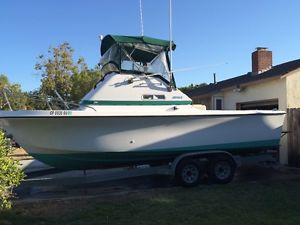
(137, 55)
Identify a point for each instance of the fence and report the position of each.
(293, 128)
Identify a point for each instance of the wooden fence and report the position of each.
(293, 132)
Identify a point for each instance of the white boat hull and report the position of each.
(101, 141)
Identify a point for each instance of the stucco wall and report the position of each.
(293, 89)
(275, 89)
(260, 91)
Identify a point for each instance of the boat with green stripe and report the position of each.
(135, 114)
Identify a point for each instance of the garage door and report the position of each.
(270, 104)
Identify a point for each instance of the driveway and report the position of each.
(48, 183)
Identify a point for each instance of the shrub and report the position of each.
(10, 173)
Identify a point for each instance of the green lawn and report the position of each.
(263, 202)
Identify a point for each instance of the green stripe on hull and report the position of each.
(149, 102)
(111, 159)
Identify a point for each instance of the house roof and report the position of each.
(275, 71)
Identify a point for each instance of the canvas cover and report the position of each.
(142, 42)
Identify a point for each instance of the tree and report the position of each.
(59, 72)
(10, 173)
(56, 70)
(83, 82)
(192, 86)
(16, 98)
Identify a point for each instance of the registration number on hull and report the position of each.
(60, 113)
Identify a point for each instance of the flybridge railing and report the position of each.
(54, 103)
(51, 103)
(5, 91)
(61, 99)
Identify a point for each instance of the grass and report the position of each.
(264, 202)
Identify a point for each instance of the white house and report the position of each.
(266, 87)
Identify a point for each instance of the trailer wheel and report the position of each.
(188, 173)
(221, 169)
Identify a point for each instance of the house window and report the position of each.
(218, 103)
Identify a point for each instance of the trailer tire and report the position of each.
(188, 172)
(221, 169)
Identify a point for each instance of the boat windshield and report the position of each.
(141, 59)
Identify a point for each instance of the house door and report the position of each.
(218, 103)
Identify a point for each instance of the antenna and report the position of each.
(141, 17)
(171, 37)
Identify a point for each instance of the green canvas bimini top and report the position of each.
(109, 40)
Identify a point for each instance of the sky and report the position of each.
(211, 36)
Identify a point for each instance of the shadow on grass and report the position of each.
(264, 202)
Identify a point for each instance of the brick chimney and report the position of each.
(261, 60)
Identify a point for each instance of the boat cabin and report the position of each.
(136, 71)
